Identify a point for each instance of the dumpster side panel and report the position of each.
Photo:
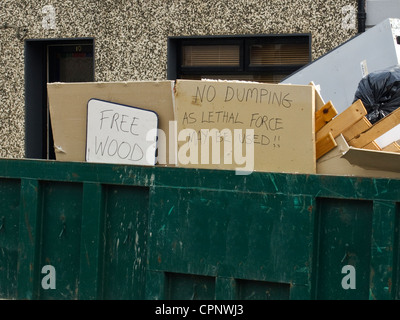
(383, 250)
(261, 290)
(126, 232)
(189, 287)
(395, 289)
(264, 237)
(92, 241)
(344, 239)
(61, 232)
(125, 240)
(29, 239)
(9, 225)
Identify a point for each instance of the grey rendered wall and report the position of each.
(131, 37)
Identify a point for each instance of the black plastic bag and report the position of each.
(380, 93)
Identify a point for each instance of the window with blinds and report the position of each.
(268, 58)
(211, 56)
(270, 54)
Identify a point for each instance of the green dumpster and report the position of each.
(72, 230)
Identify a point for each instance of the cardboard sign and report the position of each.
(120, 134)
(68, 111)
(277, 121)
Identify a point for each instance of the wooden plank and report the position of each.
(372, 146)
(393, 147)
(343, 121)
(324, 115)
(325, 145)
(360, 126)
(378, 129)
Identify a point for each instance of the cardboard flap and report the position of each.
(349, 161)
(373, 159)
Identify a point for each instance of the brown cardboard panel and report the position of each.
(68, 110)
(282, 117)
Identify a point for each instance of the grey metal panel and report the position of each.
(339, 71)
(379, 10)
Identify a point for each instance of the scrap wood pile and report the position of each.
(353, 124)
(374, 112)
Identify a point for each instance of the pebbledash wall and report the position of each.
(131, 37)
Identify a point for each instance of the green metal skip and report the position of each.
(129, 232)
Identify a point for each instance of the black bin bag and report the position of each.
(380, 92)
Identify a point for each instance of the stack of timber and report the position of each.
(353, 125)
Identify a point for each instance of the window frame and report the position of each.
(175, 45)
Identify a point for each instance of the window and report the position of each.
(268, 58)
(210, 56)
(52, 60)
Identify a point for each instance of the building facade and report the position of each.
(133, 40)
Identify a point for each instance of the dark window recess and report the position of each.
(253, 58)
(70, 63)
(58, 60)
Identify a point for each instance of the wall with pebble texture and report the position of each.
(131, 37)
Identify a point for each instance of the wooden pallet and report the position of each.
(354, 126)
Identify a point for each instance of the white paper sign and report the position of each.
(120, 134)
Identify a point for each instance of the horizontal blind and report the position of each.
(211, 56)
(265, 78)
(279, 54)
